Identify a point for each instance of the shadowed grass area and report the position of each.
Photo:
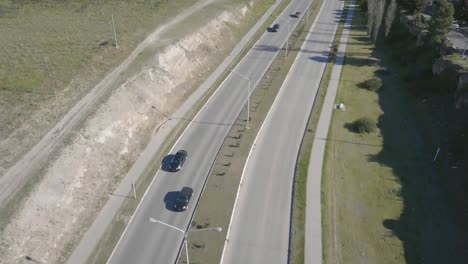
(387, 201)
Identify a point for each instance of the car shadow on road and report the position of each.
(319, 59)
(266, 48)
(169, 200)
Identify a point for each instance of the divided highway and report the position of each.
(153, 242)
(259, 230)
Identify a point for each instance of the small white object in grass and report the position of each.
(341, 107)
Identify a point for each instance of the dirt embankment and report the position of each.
(75, 185)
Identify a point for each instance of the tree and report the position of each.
(363, 125)
(441, 21)
(461, 11)
(412, 6)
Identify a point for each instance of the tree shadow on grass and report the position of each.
(361, 61)
(428, 226)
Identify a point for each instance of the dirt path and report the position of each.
(17, 176)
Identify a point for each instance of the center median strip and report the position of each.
(218, 199)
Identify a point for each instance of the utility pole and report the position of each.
(248, 97)
(52, 84)
(289, 32)
(115, 34)
(287, 41)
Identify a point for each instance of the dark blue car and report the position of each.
(178, 160)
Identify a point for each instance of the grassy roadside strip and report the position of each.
(300, 190)
(364, 174)
(115, 229)
(216, 204)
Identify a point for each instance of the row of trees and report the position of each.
(381, 14)
(412, 6)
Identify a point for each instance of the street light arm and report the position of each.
(242, 75)
(152, 220)
(248, 96)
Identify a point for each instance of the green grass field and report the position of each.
(70, 35)
(360, 191)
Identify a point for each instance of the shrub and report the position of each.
(363, 125)
(373, 84)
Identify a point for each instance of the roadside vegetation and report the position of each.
(71, 36)
(397, 194)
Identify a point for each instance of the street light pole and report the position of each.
(248, 97)
(115, 34)
(289, 32)
(287, 42)
(186, 248)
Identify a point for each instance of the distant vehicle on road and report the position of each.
(274, 28)
(455, 25)
(295, 15)
(178, 160)
(183, 199)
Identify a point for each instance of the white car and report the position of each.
(455, 25)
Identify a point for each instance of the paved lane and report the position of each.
(259, 231)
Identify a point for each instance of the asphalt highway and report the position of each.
(147, 241)
(259, 230)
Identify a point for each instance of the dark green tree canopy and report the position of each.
(412, 6)
(441, 21)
